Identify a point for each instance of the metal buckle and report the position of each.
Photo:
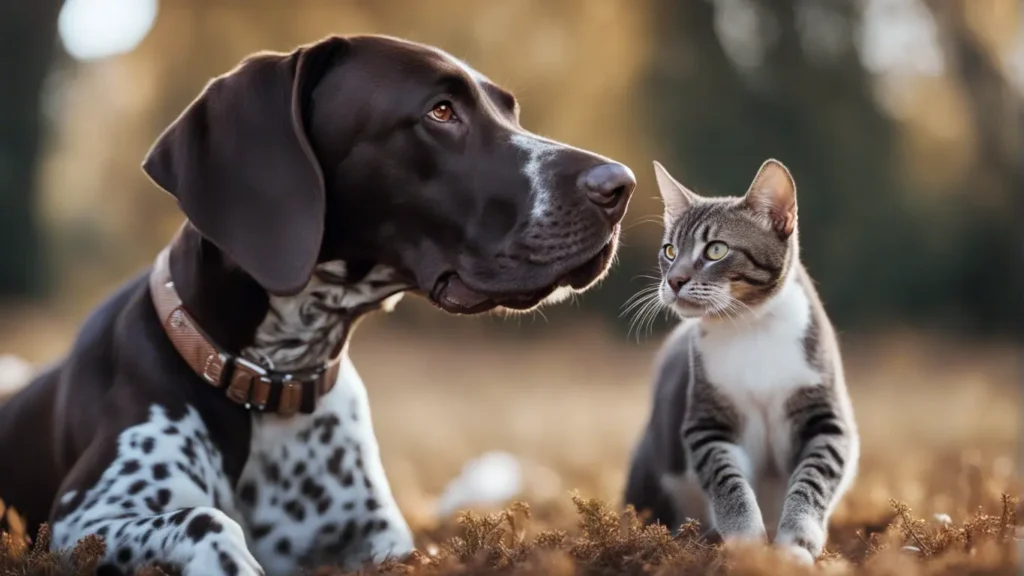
(251, 366)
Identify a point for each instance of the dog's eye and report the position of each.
(442, 112)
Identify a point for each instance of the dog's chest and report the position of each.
(313, 489)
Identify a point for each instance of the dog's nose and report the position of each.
(677, 281)
(609, 186)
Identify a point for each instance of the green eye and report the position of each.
(716, 250)
(669, 251)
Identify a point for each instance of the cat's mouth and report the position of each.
(684, 305)
(689, 308)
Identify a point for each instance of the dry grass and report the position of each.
(940, 425)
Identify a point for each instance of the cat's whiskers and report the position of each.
(638, 298)
(638, 302)
(722, 306)
(640, 305)
(645, 220)
(645, 317)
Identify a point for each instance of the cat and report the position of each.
(751, 425)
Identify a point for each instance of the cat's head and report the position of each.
(727, 256)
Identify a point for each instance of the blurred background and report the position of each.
(900, 120)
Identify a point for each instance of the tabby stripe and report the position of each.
(818, 457)
(825, 471)
(737, 487)
(836, 457)
(809, 497)
(809, 410)
(820, 425)
(757, 263)
(686, 226)
(720, 469)
(709, 439)
(704, 460)
(706, 426)
(823, 429)
(814, 485)
(754, 281)
(720, 483)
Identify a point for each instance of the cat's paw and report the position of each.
(798, 554)
(747, 527)
(750, 532)
(804, 538)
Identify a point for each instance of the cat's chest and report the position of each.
(758, 367)
(761, 366)
(762, 359)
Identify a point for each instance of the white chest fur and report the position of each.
(314, 486)
(758, 362)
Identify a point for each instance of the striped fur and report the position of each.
(752, 431)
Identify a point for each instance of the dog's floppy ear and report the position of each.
(242, 169)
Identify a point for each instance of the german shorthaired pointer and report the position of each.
(208, 416)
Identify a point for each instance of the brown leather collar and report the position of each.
(243, 381)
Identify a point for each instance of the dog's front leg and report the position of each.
(163, 498)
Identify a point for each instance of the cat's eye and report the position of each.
(669, 251)
(716, 250)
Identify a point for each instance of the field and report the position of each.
(940, 424)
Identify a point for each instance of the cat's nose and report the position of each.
(609, 187)
(677, 282)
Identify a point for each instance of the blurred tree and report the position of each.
(801, 94)
(990, 275)
(28, 37)
(812, 109)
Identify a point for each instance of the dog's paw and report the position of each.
(224, 554)
(396, 544)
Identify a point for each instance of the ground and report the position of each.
(941, 425)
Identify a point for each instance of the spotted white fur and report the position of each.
(164, 497)
(313, 489)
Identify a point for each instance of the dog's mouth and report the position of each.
(452, 294)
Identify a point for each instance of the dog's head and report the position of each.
(384, 151)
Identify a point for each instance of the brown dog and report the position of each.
(208, 415)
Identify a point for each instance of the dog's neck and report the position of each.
(277, 332)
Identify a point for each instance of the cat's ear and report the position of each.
(677, 198)
(772, 195)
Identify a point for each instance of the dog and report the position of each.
(207, 416)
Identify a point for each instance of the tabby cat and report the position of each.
(751, 425)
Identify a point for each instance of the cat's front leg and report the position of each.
(826, 462)
(722, 467)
